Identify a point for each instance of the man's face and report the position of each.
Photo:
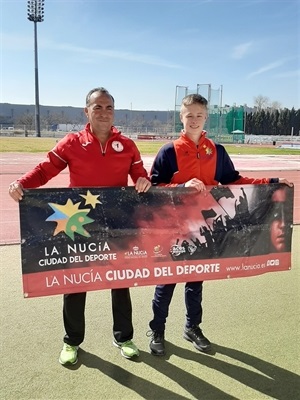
(278, 225)
(193, 118)
(100, 112)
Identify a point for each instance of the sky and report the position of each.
(142, 50)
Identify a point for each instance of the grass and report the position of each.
(147, 147)
(26, 145)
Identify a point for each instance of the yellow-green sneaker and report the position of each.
(68, 355)
(128, 348)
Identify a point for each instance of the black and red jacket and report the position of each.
(182, 160)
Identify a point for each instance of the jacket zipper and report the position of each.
(103, 151)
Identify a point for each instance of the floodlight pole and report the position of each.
(35, 13)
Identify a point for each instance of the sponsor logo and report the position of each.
(157, 251)
(136, 253)
(273, 263)
(176, 250)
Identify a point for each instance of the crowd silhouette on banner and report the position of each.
(246, 233)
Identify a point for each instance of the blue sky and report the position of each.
(140, 50)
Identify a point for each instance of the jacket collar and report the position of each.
(190, 142)
(114, 131)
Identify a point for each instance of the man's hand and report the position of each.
(196, 183)
(142, 185)
(15, 191)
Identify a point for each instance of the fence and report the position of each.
(165, 133)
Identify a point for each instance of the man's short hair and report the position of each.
(97, 90)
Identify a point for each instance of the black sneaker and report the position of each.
(196, 336)
(157, 343)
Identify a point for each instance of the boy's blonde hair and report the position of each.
(194, 99)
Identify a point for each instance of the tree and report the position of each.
(284, 122)
(274, 122)
(261, 102)
(275, 105)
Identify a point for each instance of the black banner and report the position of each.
(82, 239)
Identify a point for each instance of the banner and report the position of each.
(82, 239)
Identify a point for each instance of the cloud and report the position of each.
(21, 43)
(124, 55)
(267, 68)
(241, 50)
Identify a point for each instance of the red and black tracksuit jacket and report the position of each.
(182, 160)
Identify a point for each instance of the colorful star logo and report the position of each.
(70, 218)
(91, 199)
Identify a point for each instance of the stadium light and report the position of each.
(35, 13)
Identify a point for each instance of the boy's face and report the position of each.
(193, 118)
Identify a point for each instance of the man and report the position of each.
(195, 161)
(96, 156)
(278, 228)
